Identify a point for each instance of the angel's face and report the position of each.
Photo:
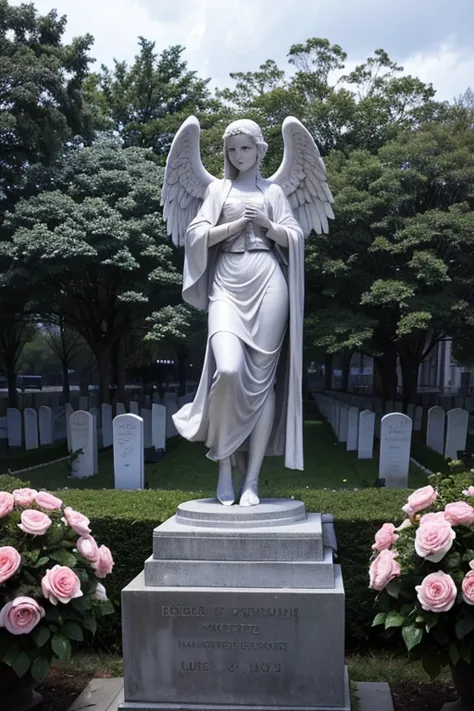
(242, 152)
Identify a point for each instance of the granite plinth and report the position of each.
(211, 513)
(228, 647)
(302, 540)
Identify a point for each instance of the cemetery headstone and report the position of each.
(95, 438)
(107, 436)
(171, 430)
(395, 445)
(457, 422)
(158, 426)
(352, 429)
(134, 407)
(67, 413)
(145, 414)
(435, 429)
(46, 424)
(129, 463)
(83, 402)
(120, 409)
(411, 411)
(82, 438)
(14, 428)
(343, 420)
(30, 419)
(365, 438)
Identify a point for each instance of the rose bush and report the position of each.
(51, 572)
(423, 572)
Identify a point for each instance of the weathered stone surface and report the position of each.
(225, 648)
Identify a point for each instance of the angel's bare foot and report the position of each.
(225, 488)
(249, 495)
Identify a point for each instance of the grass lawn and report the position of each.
(185, 467)
(411, 688)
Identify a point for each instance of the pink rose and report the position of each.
(100, 593)
(47, 501)
(7, 503)
(24, 497)
(60, 584)
(104, 563)
(434, 538)
(438, 516)
(385, 537)
(405, 524)
(437, 592)
(88, 548)
(10, 561)
(420, 499)
(77, 521)
(468, 588)
(383, 569)
(34, 522)
(21, 615)
(459, 513)
(469, 491)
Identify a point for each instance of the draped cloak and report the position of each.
(191, 420)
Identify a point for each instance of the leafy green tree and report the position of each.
(396, 273)
(94, 246)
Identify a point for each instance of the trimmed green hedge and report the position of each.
(10, 483)
(124, 521)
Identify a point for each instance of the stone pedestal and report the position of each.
(236, 607)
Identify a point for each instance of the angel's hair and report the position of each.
(249, 128)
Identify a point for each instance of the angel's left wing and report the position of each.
(302, 176)
(185, 181)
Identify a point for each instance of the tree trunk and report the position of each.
(386, 365)
(12, 392)
(328, 371)
(409, 366)
(103, 356)
(66, 388)
(182, 354)
(118, 362)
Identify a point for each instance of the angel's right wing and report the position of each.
(185, 181)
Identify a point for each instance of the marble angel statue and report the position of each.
(244, 264)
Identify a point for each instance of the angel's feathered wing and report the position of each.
(185, 181)
(302, 176)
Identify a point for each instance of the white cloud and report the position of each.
(450, 70)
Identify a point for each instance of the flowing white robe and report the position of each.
(192, 420)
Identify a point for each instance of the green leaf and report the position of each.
(72, 630)
(64, 558)
(465, 651)
(11, 654)
(394, 619)
(40, 669)
(53, 614)
(453, 652)
(431, 665)
(453, 560)
(21, 664)
(61, 647)
(463, 627)
(90, 623)
(106, 608)
(41, 561)
(379, 619)
(41, 635)
(412, 635)
(393, 589)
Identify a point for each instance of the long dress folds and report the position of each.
(239, 290)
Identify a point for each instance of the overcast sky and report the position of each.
(432, 39)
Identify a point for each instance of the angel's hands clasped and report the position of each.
(257, 215)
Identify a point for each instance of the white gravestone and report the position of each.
(365, 439)
(95, 438)
(418, 421)
(68, 411)
(82, 440)
(343, 421)
(129, 463)
(411, 411)
(106, 413)
(14, 428)
(120, 409)
(395, 444)
(145, 414)
(158, 426)
(134, 407)
(171, 409)
(457, 422)
(60, 424)
(46, 424)
(352, 429)
(435, 429)
(30, 419)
